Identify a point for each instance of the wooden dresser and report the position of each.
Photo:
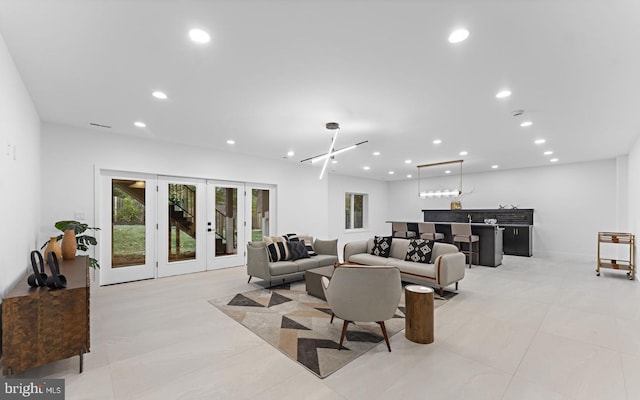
(41, 325)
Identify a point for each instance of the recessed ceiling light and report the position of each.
(459, 35)
(199, 36)
(503, 93)
(159, 95)
(548, 153)
(495, 166)
(290, 153)
(409, 176)
(437, 141)
(334, 161)
(366, 168)
(526, 123)
(539, 141)
(447, 172)
(140, 124)
(376, 153)
(463, 153)
(407, 161)
(231, 141)
(391, 172)
(554, 160)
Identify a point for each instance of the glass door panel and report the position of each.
(128, 229)
(262, 203)
(181, 248)
(225, 224)
(182, 222)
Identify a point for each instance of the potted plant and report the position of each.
(83, 240)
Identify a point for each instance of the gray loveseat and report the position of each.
(258, 263)
(447, 268)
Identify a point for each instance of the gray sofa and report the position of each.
(447, 268)
(258, 263)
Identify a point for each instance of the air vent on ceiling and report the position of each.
(99, 125)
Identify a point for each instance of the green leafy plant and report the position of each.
(83, 241)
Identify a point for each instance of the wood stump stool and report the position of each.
(418, 313)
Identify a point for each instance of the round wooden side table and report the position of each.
(418, 313)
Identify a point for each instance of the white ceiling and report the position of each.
(276, 71)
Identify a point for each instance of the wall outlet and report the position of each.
(78, 216)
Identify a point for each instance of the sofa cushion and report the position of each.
(277, 248)
(420, 270)
(283, 267)
(325, 259)
(419, 250)
(298, 250)
(369, 259)
(399, 248)
(307, 263)
(381, 246)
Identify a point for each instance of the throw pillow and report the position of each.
(308, 242)
(381, 246)
(292, 237)
(298, 250)
(277, 248)
(419, 250)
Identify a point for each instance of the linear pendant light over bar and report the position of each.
(332, 151)
(440, 192)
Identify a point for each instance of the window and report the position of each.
(355, 208)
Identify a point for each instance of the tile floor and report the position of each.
(533, 328)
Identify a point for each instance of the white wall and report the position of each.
(633, 188)
(19, 173)
(70, 154)
(571, 202)
(377, 206)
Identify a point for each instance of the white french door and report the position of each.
(155, 226)
(127, 238)
(225, 224)
(181, 225)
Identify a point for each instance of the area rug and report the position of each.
(298, 325)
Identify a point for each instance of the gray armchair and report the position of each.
(364, 294)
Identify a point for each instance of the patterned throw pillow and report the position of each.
(277, 248)
(291, 237)
(419, 250)
(298, 250)
(381, 246)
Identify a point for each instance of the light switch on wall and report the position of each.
(78, 216)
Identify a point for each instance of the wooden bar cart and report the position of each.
(624, 265)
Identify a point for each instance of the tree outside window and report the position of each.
(355, 210)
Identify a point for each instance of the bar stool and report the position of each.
(400, 230)
(462, 234)
(427, 230)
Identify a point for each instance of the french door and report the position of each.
(225, 224)
(127, 249)
(156, 226)
(260, 208)
(181, 225)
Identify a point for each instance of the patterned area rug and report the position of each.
(298, 325)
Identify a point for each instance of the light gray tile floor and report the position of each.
(533, 328)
